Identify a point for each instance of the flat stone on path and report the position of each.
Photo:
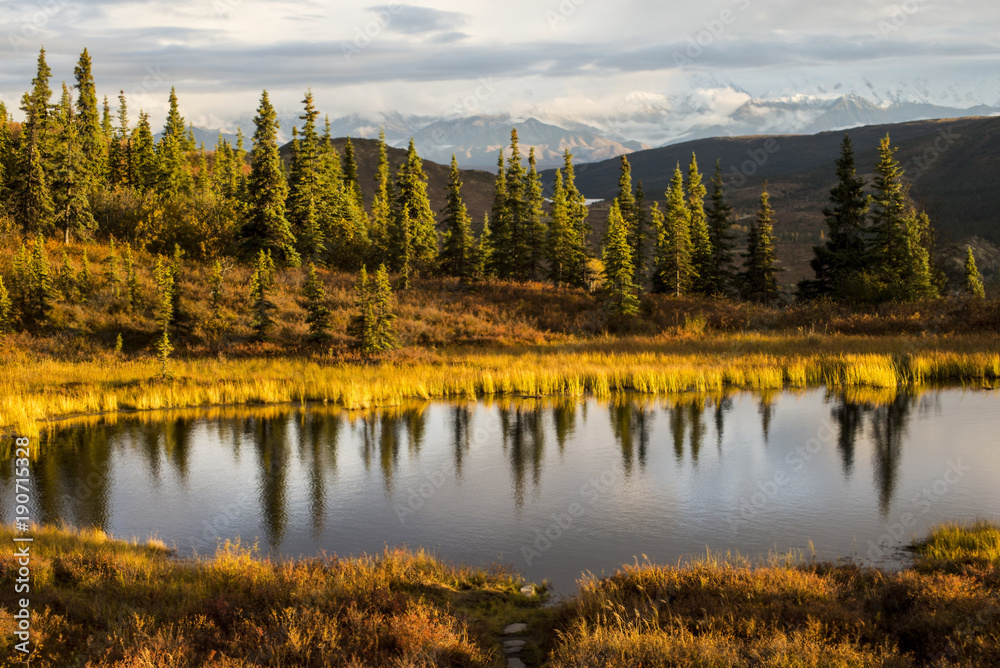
(515, 662)
(512, 646)
(518, 627)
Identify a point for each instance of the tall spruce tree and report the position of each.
(459, 245)
(120, 151)
(973, 285)
(381, 218)
(701, 240)
(372, 325)
(560, 244)
(759, 281)
(305, 186)
(640, 236)
(350, 174)
(516, 241)
(93, 144)
(30, 198)
(500, 264)
(674, 268)
(72, 180)
(899, 251)
(534, 225)
(41, 290)
(144, 166)
(171, 153)
(577, 211)
(619, 271)
(839, 263)
(718, 215)
(266, 228)
(414, 227)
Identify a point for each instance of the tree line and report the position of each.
(72, 169)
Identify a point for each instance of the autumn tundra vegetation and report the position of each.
(140, 272)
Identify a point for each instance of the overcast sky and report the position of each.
(574, 59)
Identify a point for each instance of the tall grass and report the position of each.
(37, 387)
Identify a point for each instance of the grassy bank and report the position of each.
(35, 386)
(105, 603)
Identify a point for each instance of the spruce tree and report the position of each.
(164, 312)
(30, 199)
(534, 231)
(381, 218)
(759, 282)
(414, 238)
(701, 241)
(382, 305)
(93, 146)
(120, 153)
(640, 235)
(305, 186)
(41, 291)
(362, 324)
(66, 282)
(674, 269)
(350, 174)
(73, 180)
(266, 228)
(839, 263)
(459, 245)
(718, 215)
(21, 280)
(515, 240)
(558, 245)
(6, 310)
(500, 264)
(317, 312)
(171, 153)
(973, 282)
(577, 211)
(132, 288)
(484, 252)
(143, 165)
(6, 150)
(261, 305)
(626, 200)
(619, 271)
(216, 295)
(85, 280)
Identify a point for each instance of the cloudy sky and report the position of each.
(574, 59)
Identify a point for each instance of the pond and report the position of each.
(553, 487)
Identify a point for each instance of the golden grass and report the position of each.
(102, 602)
(35, 386)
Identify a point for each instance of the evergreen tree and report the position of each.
(174, 176)
(112, 271)
(759, 282)
(20, 287)
(261, 305)
(120, 153)
(619, 271)
(305, 186)
(66, 279)
(899, 252)
(215, 297)
(317, 312)
(566, 254)
(577, 212)
(6, 310)
(30, 199)
(640, 233)
(414, 236)
(362, 324)
(722, 275)
(143, 164)
(701, 241)
(93, 145)
(41, 291)
(266, 228)
(164, 312)
(459, 245)
(72, 180)
(973, 282)
(500, 264)
(534, 232)
(839, 263)
(372, 325)
(381, 218)
(6, 150)
(674, 269)
(107, 129)
(132, 281)
(350, 174)
(484, 252)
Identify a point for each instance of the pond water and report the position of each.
(552, 487)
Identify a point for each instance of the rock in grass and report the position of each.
(518, 627)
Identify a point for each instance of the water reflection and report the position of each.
(75, 473)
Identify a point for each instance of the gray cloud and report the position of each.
(415, 20)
